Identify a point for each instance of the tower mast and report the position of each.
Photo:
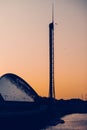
(51, 57)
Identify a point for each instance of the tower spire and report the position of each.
(53, 12)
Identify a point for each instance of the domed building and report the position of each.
(14, 88)
(20, 106)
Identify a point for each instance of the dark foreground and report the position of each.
(36, 116)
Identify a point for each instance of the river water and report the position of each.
(72, 122)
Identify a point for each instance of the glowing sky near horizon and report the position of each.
(24, 44)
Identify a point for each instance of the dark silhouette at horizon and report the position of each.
(32, 112)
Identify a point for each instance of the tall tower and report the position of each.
(51, 57)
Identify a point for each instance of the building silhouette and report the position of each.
(51, 57)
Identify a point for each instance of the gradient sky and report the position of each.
(24, 44)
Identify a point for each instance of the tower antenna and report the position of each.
(53, 12)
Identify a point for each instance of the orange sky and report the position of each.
(24, 44)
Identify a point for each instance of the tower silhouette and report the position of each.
(51, 57)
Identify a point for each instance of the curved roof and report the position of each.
(13, 87)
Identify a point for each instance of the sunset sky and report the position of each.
(24, 44)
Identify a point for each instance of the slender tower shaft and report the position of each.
(51, 58)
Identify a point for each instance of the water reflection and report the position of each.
(72, 122)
